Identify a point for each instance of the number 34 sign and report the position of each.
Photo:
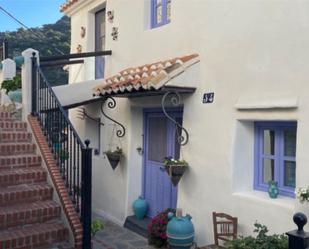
(208, 98)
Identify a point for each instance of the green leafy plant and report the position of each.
(114, 153)
(302, 194)
(77, 190)
(11, 85)
(53, 39)
(261, 241)
(63, 154)
(117, 153)
(96, 226)
(175, 162)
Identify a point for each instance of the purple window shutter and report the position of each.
(154, 19)
(282, 163)
(100, 43)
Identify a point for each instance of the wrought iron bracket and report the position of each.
(175, 100)
(111, 103)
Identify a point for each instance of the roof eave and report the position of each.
(75, 7)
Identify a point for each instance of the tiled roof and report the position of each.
(67, 4)
(147, 77)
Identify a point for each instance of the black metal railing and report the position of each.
(73, 157)
(4, 50)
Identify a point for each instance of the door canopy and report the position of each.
(149, 77)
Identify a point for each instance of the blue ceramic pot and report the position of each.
(140, 208)
(273, 190)
(180, 232)
(15, 96)
(19, 60)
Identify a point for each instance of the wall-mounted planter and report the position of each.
(113, 160)
(114, 157)
(175, 172)
(110, 16)
(115, 33)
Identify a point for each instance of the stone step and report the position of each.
(21, 161)
(13, 126)
(33, 236)
(7, 149)
(25, 194)
(137, 226)
(59, 245)
(22, 176)
(28, 213)
(15, 136)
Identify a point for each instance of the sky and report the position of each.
(33, 13)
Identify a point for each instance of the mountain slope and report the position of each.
(50, 39)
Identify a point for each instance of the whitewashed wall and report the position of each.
(252, 53)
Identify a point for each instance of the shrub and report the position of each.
(261, 241)
(157, 229)
(96, 226)
(11, 85)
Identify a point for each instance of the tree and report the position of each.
(49, 40)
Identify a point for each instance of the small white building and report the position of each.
(244, 103)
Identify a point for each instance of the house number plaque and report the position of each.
(208, 98)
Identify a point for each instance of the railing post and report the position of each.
(5, 48)
(86, 191)
(34, 85)
(26, 72)
(299, 239)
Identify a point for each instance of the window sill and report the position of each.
(156, 26)
(260, 196)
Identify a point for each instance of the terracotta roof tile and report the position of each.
(145, 77)
(67, 5)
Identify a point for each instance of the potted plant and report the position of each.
(157, 229)
(175, 169)
(13, 88)
(261, 240)
(63, 155)
(96, 226)
(114, 156)
(302, 195)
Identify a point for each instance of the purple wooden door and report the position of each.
(160, 141)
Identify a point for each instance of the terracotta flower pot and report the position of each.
(175, 172)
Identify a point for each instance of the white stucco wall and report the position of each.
(254, 50)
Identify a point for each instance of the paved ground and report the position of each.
(116, 237)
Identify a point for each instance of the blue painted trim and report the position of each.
(278, 127)
(154, 22)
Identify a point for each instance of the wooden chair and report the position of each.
(225, 229)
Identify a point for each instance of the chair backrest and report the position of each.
(225, 227)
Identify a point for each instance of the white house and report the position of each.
(241, 68)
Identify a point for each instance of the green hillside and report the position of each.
(50, 39)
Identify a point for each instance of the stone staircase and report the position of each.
(29, 217)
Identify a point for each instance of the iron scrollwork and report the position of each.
(111, 103)
(175, 100)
